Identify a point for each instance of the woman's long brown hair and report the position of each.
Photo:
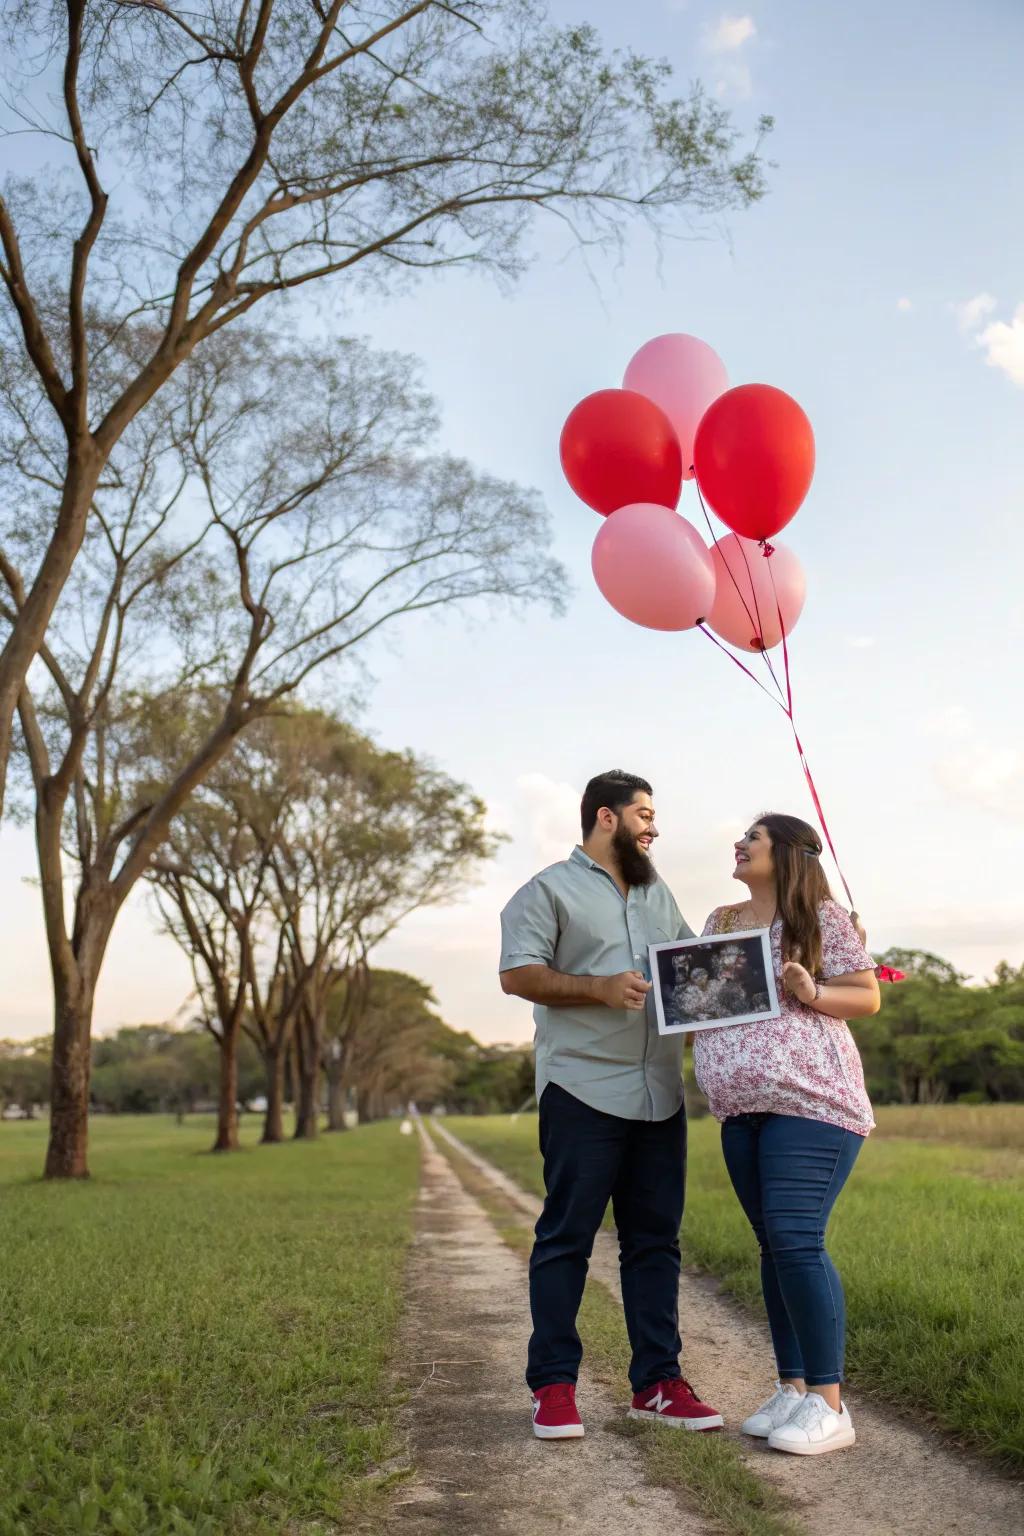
(800, 884)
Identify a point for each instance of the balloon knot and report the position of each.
(767, 549)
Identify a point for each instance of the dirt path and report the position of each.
(479, 1470)
(897, 1480)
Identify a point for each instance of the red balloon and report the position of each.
(619, 448)
(754, 458)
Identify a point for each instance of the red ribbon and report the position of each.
(785, 701)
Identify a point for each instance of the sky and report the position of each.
(880, 283)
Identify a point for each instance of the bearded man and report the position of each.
(610, 1095)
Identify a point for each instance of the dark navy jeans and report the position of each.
(640, 1165)
(787, 1172)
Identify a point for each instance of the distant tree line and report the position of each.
(401, 1051)
(936, 1040)
(939, 1040)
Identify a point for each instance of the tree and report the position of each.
(937, 1037)
(306, 471)
(392, 1055)
(24, 1074)
(301, 853)
(256, 149)
(373, 837)
(212, 883)
(148, 1067)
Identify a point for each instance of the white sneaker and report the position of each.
(774, 1413)
(814, 1429)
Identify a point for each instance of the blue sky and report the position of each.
(897, 200)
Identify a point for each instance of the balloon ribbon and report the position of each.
(785, 700)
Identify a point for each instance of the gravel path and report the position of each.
(897, 1481)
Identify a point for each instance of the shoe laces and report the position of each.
(678, 1387)
(812, 1410)
(781, 1396)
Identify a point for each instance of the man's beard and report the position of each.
(637, 867)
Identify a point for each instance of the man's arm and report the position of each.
(540, 984)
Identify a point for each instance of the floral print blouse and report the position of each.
(802, 1063)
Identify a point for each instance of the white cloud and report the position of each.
(861, 642)
(953, 721)
(904, 304)
(730, 33)
(972, 312)
(986, 776)
(1004, 346)
(735, 82)
(551, 811)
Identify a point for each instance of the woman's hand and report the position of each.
(799, 982)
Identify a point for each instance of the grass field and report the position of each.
(196, 1343)
(930, 1241)
(976, 1125)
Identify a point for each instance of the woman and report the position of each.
(794, 1111)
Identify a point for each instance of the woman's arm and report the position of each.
(855, 996)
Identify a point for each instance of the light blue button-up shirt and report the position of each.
(573, 918)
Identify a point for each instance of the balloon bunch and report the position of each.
(626, 453)
(750, 451)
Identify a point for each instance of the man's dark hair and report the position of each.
(614, 789)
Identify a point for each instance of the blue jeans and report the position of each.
(787, 1172)
(640, 1165)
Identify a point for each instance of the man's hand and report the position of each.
(627, 990)
(799, 982)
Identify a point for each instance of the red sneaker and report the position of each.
(674, 1402)
(555, 1416)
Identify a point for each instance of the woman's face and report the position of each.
(754, 862)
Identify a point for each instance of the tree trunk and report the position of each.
(227, 1098)
(273, 1121)
(306, 1117)
(290, 1095)
(307, 1050)
(335, 1098)
(67, 1150)
(85, 463)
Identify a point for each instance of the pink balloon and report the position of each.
(653, 567)
(682, 375)
(751, 621)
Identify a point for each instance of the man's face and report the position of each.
(632, 839)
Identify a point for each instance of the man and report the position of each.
(612, 1121)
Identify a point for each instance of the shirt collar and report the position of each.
(580, 856)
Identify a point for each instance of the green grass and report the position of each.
(196, 1343)
(930, 1242)
(708, 1468)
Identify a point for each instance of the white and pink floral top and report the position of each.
(802, 1063)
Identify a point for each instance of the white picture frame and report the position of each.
(735, 986)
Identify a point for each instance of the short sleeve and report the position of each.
(842, 952)
(529, 928)
(711, 926)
